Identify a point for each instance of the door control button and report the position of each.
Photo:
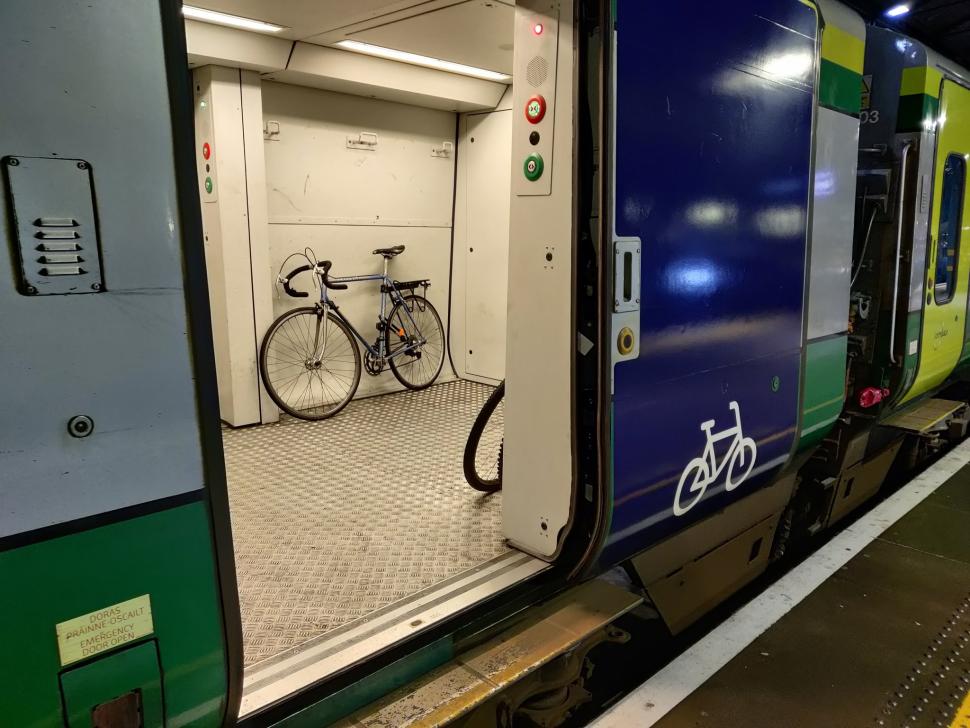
(535, 110)
(533, 167)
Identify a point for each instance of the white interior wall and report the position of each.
(344, 202)
(480, 275)
(228, 120)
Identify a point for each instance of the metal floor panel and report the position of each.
(333, 520)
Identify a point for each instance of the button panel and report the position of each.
(205, 147)
(536, 61)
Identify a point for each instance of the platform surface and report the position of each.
(883, 641)
(335, 520)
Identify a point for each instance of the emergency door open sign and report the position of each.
(104, 629)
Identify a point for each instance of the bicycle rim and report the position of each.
(417, 369)
(310, 364)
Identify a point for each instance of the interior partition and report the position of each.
(346, 175)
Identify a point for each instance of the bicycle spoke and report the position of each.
(313, 381)
(415, 362)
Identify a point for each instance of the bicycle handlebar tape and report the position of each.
(327, 265)
(286, 282)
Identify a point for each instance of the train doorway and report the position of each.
(369, 183)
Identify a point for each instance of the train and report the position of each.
(738, 301)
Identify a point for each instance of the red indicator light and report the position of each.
(537, 28)
(206, 150)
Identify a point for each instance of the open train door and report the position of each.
(118, 593)
(712, 182)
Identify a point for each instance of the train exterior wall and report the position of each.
(943, 336)
(713, 175)
(833, 213)
(118, 512)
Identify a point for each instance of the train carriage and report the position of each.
(736, 299)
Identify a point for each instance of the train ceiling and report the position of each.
(472, 32)
(943, 25)
(479, 32)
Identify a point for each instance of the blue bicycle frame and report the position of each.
(389, 290)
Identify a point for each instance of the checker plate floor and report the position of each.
(335, 519)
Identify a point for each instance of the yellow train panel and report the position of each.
(944, 320)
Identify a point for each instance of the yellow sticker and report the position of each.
(104, 629)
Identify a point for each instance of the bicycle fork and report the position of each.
(317, 360)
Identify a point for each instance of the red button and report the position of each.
(535, 110)
(206, 150)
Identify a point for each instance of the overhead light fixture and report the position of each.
(897, 11)
(426, 61)
(234, 21)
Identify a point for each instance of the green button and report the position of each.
(208, 185)
(533, 167)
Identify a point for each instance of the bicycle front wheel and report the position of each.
(413, 320)
(310, 364)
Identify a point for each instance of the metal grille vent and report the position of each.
(537, 71)
(56, 225)
(59, 252)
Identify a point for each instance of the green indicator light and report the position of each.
(533, 167)
(208, 185)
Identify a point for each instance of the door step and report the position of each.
(571, 623)
(925, 416)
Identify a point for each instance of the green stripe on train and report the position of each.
(840, 88)
(919, 104)
(167, 555)
(916, 112)
(824, 388)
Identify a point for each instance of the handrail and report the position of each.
(907, 148)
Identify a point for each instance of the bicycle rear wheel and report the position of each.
(414, 319)
(310, 364)
(485, 447)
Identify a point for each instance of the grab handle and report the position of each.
(907, 148)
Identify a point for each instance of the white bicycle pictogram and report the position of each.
(701, 472)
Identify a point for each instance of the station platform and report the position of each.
(873, 629)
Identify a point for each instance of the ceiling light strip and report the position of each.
(426, 61)
(234, 21)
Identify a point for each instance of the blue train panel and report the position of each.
(713, 166)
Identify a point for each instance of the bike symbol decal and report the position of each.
(701, 472)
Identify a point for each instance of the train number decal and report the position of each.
(704, 470)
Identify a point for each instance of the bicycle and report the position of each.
(310, 359)
(742, 453)
(482, 465)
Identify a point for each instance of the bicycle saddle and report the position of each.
(390, 252)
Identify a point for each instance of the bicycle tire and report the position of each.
(470, 459)
(433, 332)
(348, 351)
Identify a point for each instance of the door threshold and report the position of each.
(268, 681)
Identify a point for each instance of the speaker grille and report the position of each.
(537, 71)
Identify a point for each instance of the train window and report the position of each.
(951, 213)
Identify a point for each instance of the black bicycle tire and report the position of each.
(264, 347)
(392, 361)
(484, 485)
